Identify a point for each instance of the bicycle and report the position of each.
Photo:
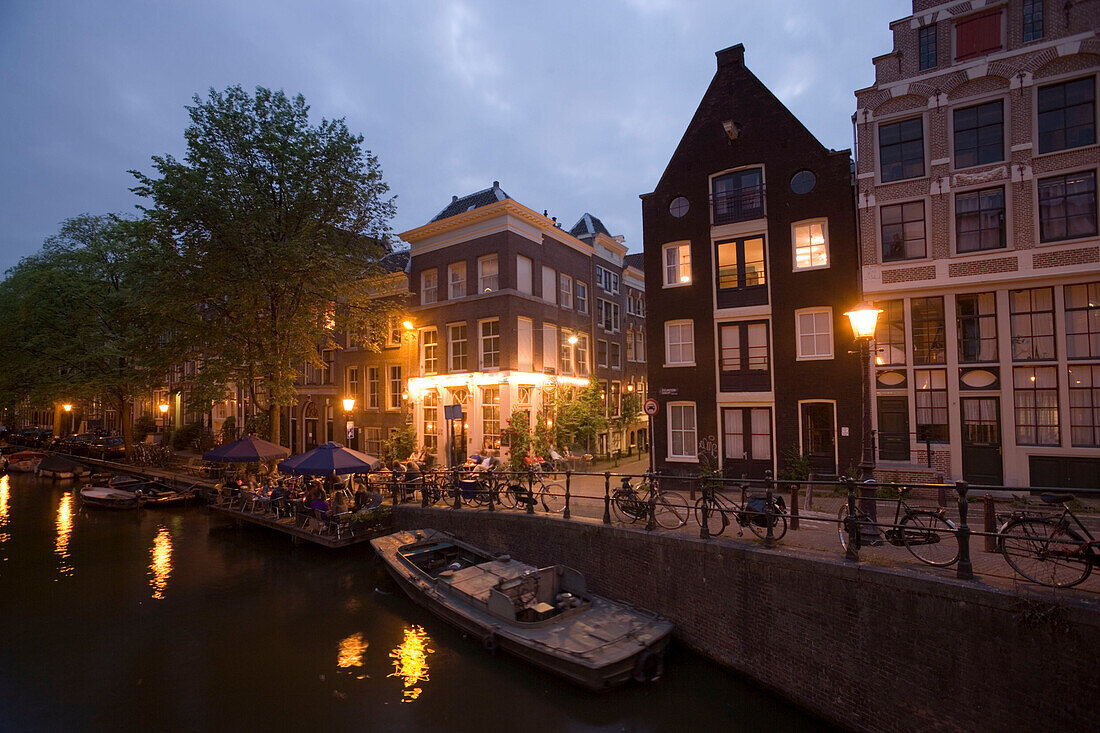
(918, 530)
(670, 509)
(753, 514)
(550, 494)
(1048, 550)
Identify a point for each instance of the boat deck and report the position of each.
(478, 580)
(287, 526)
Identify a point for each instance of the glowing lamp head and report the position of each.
(407, 324)
(863, 318)
(163, 408)
(67, 408)
(349, 404)
(685, 278)
(573, 340)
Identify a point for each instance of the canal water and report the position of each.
(175, 619)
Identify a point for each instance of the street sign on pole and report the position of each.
(650, 407)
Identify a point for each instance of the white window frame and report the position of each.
(683, 267)
(482, 338)
(693, 457)
(550, 348)
(424, 368)
(525, 282)
(451, 342)
(798, 333)
(452, 270)
(824, 222)
(429, 295)
(391, 396)
(679, 323)
(487, 283)
(580, 356)
(525, 352)
(581, 301)
(565, 351)
(549, 277)
(565, 286)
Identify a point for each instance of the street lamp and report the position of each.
(863, 318)
(163, 407)
(349, 427)
(69, 409)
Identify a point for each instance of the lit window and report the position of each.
(1035, 390)
(487, 281)
(395, 388)
(815, 333)
(811, 245)
(677, 264)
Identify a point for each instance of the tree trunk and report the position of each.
(274, 424)
(126, 419)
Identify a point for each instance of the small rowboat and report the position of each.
(25, 461)
(107, 498)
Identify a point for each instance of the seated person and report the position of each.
(487, 463)
(339, 503)
(318, 504)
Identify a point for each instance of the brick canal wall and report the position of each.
(867, 647)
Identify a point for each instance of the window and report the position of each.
(979, 134)
(616, 399)
(976, 316)
(457, 339)
(394, 332)
(1067, 207)
(1033, 20)
(1083, 321)
(811, 245)
(429, 339)
(679, 343)
(901, 150)
(929, 331)
(608, 315)
(430, 418)
(374, 441)
(681, 430)
(395, 388)
(607, 280)
(931, 391)
(677, 264)
(980, 220)
(523, 275)
(353, 385)
(565, 300)
(523, 396)
(615, 355)
(581, 351)
(566, 353)
(525, 344)
(738, 196)
(741, 272)
(927, 39)
(601, 353)
(582, 297)
(549, 348)
(1067, 115)
(487, 274)
(978, 35)
(1036, 394)
(755, 423)
(1084, 405)
(456, 276)
(429, 284)
(373, 391)
(890, 333)
(1032, 320)
(903, 231)
(490, 344)
(743, 357)
(549, 284)
(639, 346)
(630, 344)
(815, 333)
(490, 417)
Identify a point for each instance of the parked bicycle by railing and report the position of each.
(669, 509)
(1048, 549)
(545, 492)
(720, 511)
(927, 533)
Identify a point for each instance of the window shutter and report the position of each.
(978, 35)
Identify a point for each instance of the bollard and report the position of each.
(607, 497)
(851, 523)
(990, 524)
(941, 495)
(794, 506)
(769, 509)
(530, 491)
(704, 512)
(457, 487)
(965, 569)
(565, 512)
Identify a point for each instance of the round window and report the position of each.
(803, 182)
(679, 206)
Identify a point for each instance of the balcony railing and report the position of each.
(741, 204)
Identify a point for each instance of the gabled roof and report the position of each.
(395, 261)
(472, 201)
(635, 260)
(588, 226)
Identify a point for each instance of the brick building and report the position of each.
(750, 264)
(977, 162)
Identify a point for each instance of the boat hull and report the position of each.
(101, 498)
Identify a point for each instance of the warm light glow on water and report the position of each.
(64, 532)
(5, 498)
(410, 662)
(161, 564)
(351, 651)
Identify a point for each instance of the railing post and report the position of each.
(851, 522)
(965, 570)
(990, 524)
(490, 488)
(651, 503)
(457, 487)
(530, 491)
(769, 509)
(794, 505)
(423, 491)
(565, 512)
(607, 497)
(704, 514)
(393, 487)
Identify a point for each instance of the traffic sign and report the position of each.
(650, 407)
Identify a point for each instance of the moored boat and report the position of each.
(542, 615)
(25, 461)
(155, 493)
(60, 468)
(107, 498)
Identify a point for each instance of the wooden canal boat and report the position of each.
(542, 615)
(108, 498)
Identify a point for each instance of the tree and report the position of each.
(78, 320)
(579, 420)
(271, 229)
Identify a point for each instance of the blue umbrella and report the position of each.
(328, 459)
(248, 449)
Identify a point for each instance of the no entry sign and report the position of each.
(650, 407)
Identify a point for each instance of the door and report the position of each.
(893, 428)
(981, 441)
(819, 437)
(746, 441)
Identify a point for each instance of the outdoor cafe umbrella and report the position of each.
(248, 449)
(327, 460)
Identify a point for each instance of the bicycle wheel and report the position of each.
(626, 507)
(506, 495)
(671, 510)
(778, 521)
(1044, 551)
(930, 537)
(842, 527)
(716, 518)
(552, 497)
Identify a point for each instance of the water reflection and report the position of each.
(410, 662)
(5, 497)
(351, 651)
(160, 566)
(64, 532)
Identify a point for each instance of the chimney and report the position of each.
(732, 56)
(454, 199)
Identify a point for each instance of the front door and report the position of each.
(819, 437)
(981, 441)
(893, 428)
(746, 441)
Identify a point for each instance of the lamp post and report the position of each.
(163, 407)
(69, 411)
(349, 426)
(863, 318)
